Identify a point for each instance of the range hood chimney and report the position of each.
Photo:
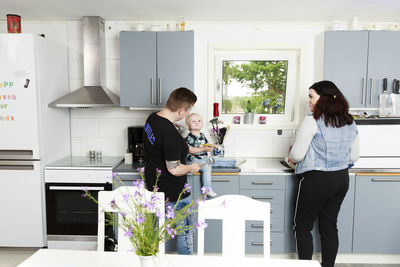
(92, 94)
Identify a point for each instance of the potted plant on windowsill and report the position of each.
(249, 107)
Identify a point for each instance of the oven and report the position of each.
(68, 213)
(71, 219)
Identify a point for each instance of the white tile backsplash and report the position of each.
(112, 49)
(75, 49)
(111, 31)
(85, 127)
(115, 127)
(75, 67)
(108, 146)
(112, 66)
(74, 30)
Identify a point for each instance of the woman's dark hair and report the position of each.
(331, 105)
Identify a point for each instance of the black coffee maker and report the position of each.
(135, 143)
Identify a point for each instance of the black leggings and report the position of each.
(319, 194)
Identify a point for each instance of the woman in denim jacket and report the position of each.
(326, 145)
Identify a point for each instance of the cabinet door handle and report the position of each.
(259, 243)
(385, 179)
(262, 197)
(159, 91)
(363, 91)
(152, 90)
(221, 180)
(261, 183)
(259, 225)
(371, 86)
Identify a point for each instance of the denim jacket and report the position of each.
(330, 148)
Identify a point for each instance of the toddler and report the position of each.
(198, 148)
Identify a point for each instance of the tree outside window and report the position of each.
(259, 83)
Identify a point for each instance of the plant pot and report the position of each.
(248, 118)
(149, 261)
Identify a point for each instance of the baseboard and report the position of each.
(351, 258)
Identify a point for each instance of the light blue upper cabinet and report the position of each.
(152, 64)
(357, 61)
(175, 64)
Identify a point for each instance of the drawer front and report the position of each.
(255, 244)
(225, 185)
(272, 196)
(276, 225)
(129, 176)
(248, 181)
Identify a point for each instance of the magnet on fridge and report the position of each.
(26, 83)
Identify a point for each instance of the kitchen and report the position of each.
(105, 129)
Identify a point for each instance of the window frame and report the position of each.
(218, 53)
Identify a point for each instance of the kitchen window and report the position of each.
(264, 78)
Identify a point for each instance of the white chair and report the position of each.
(234, 210)
(105, 198)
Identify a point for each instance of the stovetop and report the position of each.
(85, 162)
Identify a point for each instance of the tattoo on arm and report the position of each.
(173, 164)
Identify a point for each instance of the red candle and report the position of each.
(216, 110)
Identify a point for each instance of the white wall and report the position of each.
(105, 129)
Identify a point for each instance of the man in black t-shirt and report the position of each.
(166, 150)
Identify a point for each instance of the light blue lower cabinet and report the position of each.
(345, 219)
(377, 214)
(255, 243)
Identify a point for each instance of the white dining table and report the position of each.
(81, 258)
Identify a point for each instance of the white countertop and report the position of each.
(254, 165)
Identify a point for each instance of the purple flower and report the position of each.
(126, 197)
(84, 195)
(158, 213)
(129, 232)
(85, 189)
(158, 171)
(156, 188)
(139, 218)
(187, 188)
(141, 170)
(114, 174)
(154, 197)
(113, 204)
(170, 231)
(145, 204)
(138, 183)
(224, 204)
(205, 190)
(170, 213)
(123, 214)
(201, 224)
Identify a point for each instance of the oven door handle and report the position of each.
(75, 188)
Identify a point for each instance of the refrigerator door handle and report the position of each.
(16, 154)
(20, 165)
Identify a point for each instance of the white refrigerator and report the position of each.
(33, 73)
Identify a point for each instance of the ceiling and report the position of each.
(205, 10)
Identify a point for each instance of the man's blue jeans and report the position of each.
(206, 169)
(185, 239)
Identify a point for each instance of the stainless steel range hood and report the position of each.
(92, 94)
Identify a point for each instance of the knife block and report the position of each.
(395, 105)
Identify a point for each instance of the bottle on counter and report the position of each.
(182, 25)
